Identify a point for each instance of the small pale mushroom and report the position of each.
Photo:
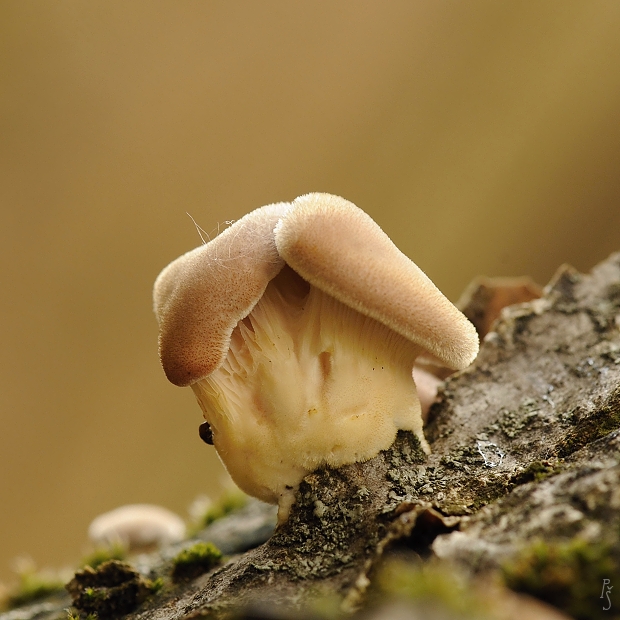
(297, 328)
(137, 527)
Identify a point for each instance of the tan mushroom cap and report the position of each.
(201, 296)
(339, 249)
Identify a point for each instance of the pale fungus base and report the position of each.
(307, 382)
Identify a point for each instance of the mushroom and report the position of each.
(297, 328)
(137, 527)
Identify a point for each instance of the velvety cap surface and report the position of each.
(201, 296)
(338, 248)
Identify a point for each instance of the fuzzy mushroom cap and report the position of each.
(201, 296)
(339, 249)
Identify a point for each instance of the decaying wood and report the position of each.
(485, 298)
(525, 446)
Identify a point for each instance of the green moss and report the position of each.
(536, 471)
(103, 554)
(195, 560)
(567, 575)
(595, 426)
(228, 503)
(33, 586)
(431, 585)
(113, 589)
(155, 585)
(93, 595)
(74, 615)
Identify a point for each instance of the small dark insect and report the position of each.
(204, 430)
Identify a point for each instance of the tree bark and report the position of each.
(525, 447)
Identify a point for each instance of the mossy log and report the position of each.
(524, 447)
(525, 460)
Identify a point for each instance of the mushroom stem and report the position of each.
(308, 381)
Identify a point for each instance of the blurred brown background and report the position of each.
(484, 137)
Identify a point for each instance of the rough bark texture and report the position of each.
(525, 447)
